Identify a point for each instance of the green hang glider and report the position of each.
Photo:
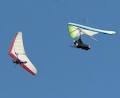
(76, 31)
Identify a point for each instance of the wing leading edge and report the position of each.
(17, 51)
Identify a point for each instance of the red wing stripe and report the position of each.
(13, 56)
(27, 69)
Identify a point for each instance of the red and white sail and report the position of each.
(17, 51)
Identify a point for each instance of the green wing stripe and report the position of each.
(73, 31)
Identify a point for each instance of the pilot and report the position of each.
(17, 61)
(79, 44)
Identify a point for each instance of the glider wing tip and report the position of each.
(19, 32)
(112, 32)
(69, 23)
(34, 73)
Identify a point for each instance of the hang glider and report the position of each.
(17, 53)
(76, 30)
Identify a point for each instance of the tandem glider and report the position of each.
(18, 55)
(76, 31)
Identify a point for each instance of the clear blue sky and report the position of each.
(64, 72)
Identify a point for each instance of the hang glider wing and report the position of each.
(75, 30)
(17, 51)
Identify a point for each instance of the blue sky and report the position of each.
(64, 72)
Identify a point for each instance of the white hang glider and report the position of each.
(17, 53)
(77, 30)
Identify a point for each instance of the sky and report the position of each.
(63, 72)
